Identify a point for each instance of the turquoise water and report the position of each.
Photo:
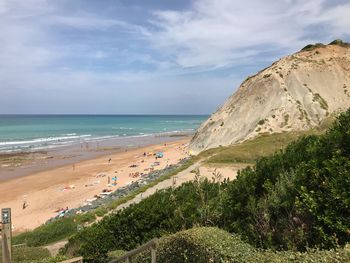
(34, 132)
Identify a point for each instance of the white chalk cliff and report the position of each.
(295, 93)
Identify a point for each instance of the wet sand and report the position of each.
(21, 164)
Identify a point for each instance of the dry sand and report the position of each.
(48, 191)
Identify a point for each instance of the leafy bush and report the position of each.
(166, 211)
(101, 211)
(201, 245)
(261, 122)
(310, 47)
(86, 217)
(297, 198)
(339, 42)
(210, 244)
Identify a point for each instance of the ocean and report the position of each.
(42, 132)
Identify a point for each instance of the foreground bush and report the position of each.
(201, 245)
(210, 244)
(165, 212)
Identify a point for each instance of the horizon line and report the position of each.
(104, 114)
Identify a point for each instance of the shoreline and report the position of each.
(26, 163)
(70, 187)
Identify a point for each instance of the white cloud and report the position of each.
(89, 22)
(338, 18)
(47, 48)
(221, 32)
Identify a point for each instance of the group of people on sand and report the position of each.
(156, 155)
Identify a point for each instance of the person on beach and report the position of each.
(73, 166)
(109, 160)
(24, 205)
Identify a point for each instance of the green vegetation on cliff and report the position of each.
(337, 42)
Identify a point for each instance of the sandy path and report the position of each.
(229, 172)
(45, 192)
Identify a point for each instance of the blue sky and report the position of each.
(148, 56)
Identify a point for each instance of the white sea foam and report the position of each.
(44, 140)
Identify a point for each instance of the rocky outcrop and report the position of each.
(295, 93)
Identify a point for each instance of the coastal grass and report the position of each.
(251, 150)
(63, 228)
(24, 254)
(48, 233)
(262, 146)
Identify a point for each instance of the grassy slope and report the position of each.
(264, 145)
(24, 254)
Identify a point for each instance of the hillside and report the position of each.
(295, 93)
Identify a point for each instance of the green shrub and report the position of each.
(87, 217)
(339, 42)
(101, 211)
(205, 244)
(48, 233)
(310, 47)
(297, 198)
(166, 211)
(261, 122)
(215, 245)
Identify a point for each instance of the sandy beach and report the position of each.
(71, 186)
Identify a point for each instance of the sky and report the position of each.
(148, 56)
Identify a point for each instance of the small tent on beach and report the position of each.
(160, 154)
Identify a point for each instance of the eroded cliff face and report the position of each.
(295, 93)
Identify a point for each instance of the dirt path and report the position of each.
(55, 247)
(185, 176)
